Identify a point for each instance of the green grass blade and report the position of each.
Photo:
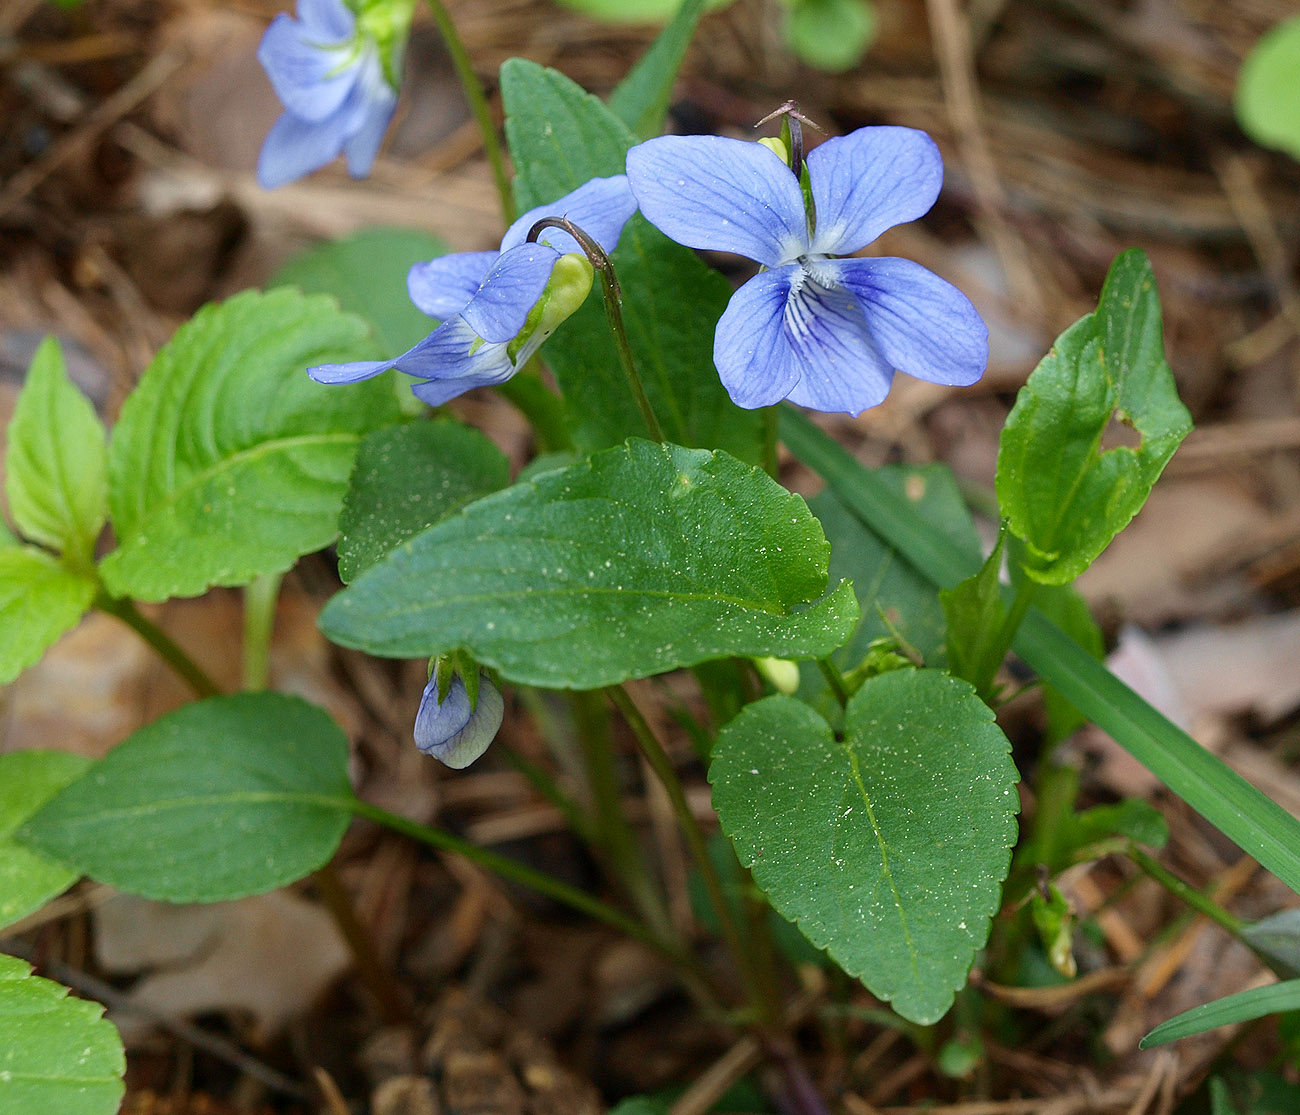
(1245, 1006)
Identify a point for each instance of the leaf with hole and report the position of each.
(888, 847)
(1061, 493)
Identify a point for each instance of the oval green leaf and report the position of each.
(40, 599)
(645, 558)
(228, 462)
(28, 779)
(56, 461)
(221, 799)
(887, 847)
(57, 1053)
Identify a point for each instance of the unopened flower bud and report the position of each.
(780, 673)
(457, 729)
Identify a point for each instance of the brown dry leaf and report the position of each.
(269, 956)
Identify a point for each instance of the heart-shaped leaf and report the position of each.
(888, 846)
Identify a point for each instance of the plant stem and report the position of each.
(835, 680)
(478, 106)
(260, 595)
(151, 633)
(613, 298)
(393, 1004)
(761, 989)
(543, 409)
(1202, 904)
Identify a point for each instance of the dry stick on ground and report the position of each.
(957, 70)
(97, 121)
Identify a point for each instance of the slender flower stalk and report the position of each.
(613, 299)
(473, 88)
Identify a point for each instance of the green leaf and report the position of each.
(1061, 494)
(641, 99)
(1258, 825)
(1268, 89)
(1276, 939)
(561, 137)
(1245, 1006)
(832, 35)
(407, 478)
(228, 462)
(221, 799)
(28, 779)
(366, 272)
(884, 580)
(40, 599)
(633, 11)
(887, 847)
(57, 460)
(57, 1053)
(645, 558)
(978, 632)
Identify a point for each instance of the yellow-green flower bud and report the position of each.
(568, 289)
(777, 147)
(780, 673)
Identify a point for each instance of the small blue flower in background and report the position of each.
(330, 76)
(823, 332)
(456, 731)
(497, 308)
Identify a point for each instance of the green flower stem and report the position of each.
(394, 1005)
(260, 597)
(835, 680)
(1199, 902)
(615, 841)
(151, 633)
(759, 983)
(771, 438)
(613, 298)
(478, 105)
(536, 880)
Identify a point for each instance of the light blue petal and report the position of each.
(869, 181)
(380, 101)
(329, 21)
(753, 359)
(510, 290)
(454, 359)
(451, 731)
(923, 325)
(600, 208)
(443, 286)
(294, 147)
(723, 194)
(354, 372)
(841, 367)
(309, 76)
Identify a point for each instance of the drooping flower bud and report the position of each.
(457, 721)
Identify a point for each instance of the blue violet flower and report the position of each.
(497, 308)
(825, 332)
(458, 729)
(329, 73)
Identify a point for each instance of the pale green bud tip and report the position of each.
(780, 673)
(568, 289)
(777, 147)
